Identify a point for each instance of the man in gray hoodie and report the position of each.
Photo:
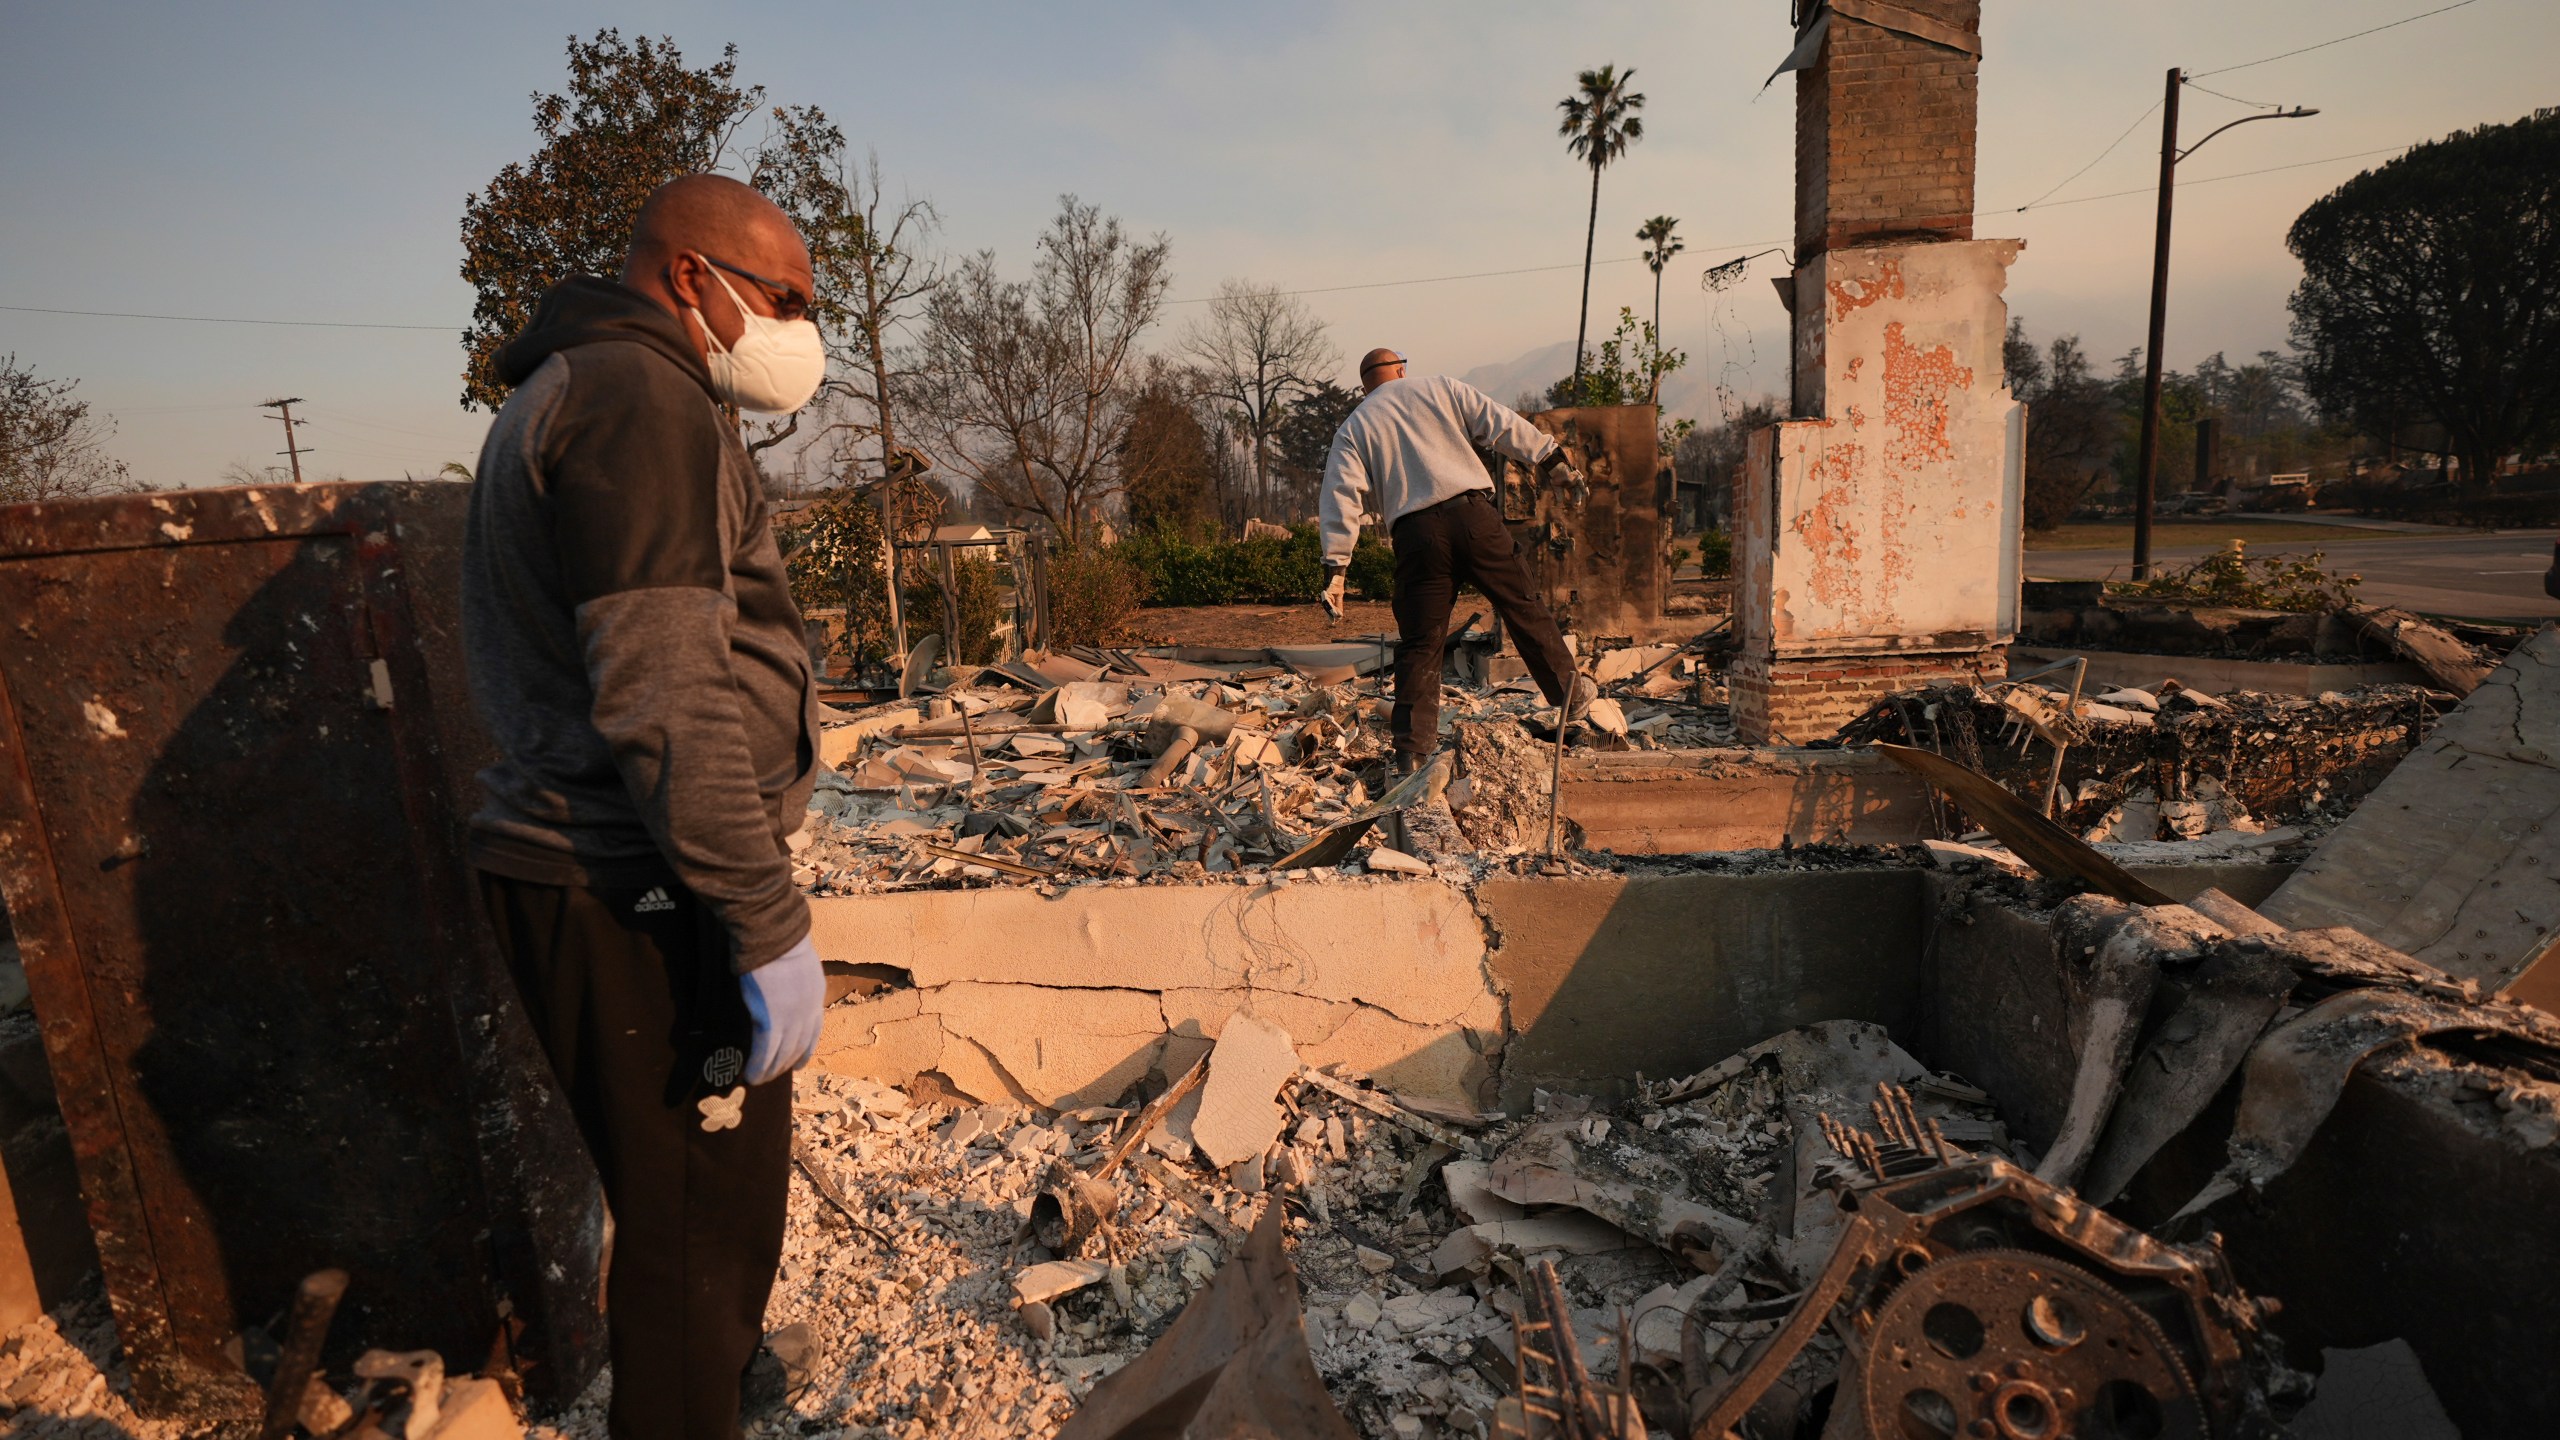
(635, 654)
(1408, 453)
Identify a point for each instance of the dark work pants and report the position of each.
(1436, 550)
(632, 994)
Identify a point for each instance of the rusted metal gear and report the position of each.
(2012, 1345)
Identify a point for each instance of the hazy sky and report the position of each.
(309, 162)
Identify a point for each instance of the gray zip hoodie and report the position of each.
(632, 643)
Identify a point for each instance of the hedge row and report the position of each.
(1262, 571)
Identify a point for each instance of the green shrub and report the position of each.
(832, 552)
(981, 586)
(1092, 594)
(1715, 554)
(1180, 570)
(2229, 576)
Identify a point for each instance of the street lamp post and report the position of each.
(2146, 465)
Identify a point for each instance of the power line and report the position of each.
(226, 319)
(1424, 280)
(2341, 40)
(2244, 65)
(2209, 179)
(2093, 161)
(2234, 99)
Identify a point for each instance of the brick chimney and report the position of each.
(1885, 125)
(1877, 528)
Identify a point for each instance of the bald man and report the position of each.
(1408, 454)
(635, 654)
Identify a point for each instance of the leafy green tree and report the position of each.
(1628, 369)
(51, 446)
(1661, 243)
(634, 117)
(1600, 122)
(832, 553)
(2427, 294)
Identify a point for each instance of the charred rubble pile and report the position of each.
(2168, 764)
(956, 1269)
(2078, 613)
(1101, 765)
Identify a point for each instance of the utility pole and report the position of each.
(2146, 465)
(2146, 470)
(284, 411)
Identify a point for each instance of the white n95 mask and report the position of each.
(776, 366)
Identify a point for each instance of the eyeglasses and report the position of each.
(1364, 370)
(788, 302)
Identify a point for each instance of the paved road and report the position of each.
(2476, 576)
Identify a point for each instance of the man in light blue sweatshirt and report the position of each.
(1408, 455)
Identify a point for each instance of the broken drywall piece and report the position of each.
(1240, 1114)
(1612, 666)
(1948, 852)
(1473, 1248)
(1607, 716)
(1658, 1315)
(1470, 1184)
(1045, 1282)
(1386, 861)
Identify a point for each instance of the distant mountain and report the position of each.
(1687, 392)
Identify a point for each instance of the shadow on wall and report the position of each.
(1614, 976)
(253, 978)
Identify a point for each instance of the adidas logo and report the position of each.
(655, 900)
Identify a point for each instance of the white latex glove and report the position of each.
(1331, 596)
(786, 997)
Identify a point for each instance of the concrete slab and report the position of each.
(1667, 974)
(2455, 857)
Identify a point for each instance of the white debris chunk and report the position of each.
(1239, 1116)
(1048, 1281)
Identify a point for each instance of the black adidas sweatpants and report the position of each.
(632, 994)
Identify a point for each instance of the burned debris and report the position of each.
(1061, 768)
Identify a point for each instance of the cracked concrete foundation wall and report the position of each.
(1065, 1000)
(1475, 999)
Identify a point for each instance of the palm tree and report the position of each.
(1600, 122)
(1661, 244)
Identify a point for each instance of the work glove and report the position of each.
(1331, 595)
(785, 997)
(1559, 466)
